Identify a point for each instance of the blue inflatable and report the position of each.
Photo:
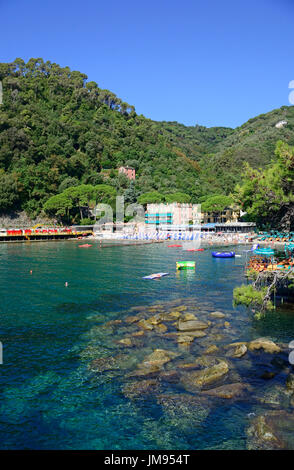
(223, 254)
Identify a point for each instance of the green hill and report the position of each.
(58, 130)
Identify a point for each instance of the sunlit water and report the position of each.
(51, 398)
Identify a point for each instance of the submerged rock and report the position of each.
(290, 382)
(195, 334)
(145, 370)
(236, 350)
(264, 343)
(159, 357)
(140, 389)
(107, 363)
(211, 349)
(191, 325)
(217, 315)
(138, 333)
(271, 431)
(185, 339)
(161, 328)
(145, 324)
(261, 436)
(170, 316)
(170, 376)
(189, 316)
(126, 342)
(155, 320)
(274, 395)
(228, 391)
(132, 319)
(183, 410)
(198, 379)
(113, 322)
(181, 308)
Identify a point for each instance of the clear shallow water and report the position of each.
(50, 397)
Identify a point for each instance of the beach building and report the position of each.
(128, 171)
(168, 216)
(228, 215)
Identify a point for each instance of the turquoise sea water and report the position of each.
(50, 396)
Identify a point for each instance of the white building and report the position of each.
(171, 215)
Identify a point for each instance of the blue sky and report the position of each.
(208, 62)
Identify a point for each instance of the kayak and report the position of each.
(156, 276)
(185, 264)
(84, 246)
(174, 246)
(223, 254)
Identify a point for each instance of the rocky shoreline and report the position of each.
(187, 359)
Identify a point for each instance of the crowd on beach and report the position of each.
(262, 264)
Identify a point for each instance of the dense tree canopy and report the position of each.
(58, 131)
(216, 203)
(268, 195)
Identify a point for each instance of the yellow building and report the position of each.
(227, 216)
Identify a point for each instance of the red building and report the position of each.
(128, 171)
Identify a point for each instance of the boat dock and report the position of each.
(21, 236)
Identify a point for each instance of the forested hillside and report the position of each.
(58, 130)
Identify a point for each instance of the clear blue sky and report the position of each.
(210, 62)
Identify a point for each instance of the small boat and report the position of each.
(186, 264)
(223, 254)
(264, 251)
(156, 276)
(85, 246)
(195, 249)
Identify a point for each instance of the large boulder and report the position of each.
(145, 325)
(265, 344)
(211, 349)
(201, 378)
(217, 315)
(185, 339)
(191, 325)
(236, 350)
(159, 357)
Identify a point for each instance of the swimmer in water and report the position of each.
(66, 284)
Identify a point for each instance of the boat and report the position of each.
(186, 264)
(264, 251)
(85, 246)
(223, 254)
(174, 246)
(195, 249)
(156, 276)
